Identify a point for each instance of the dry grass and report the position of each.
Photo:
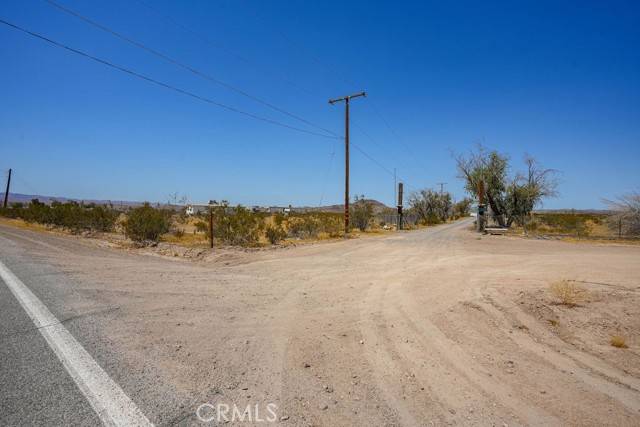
(618, 341)
(20, 223)
(567, 292)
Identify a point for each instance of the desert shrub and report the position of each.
(330, 223)
(618, 341)
(462, 208)
(179, 233)
(303, 226)
(237, 226)
(73, 216)
(103, 218)
(567, 292)
(625, 220)
(568, 223)
(201, 227)
(310, 225)
(430, 206)
(146, 224)
(361, 213)
(275, 234)
(278, 218)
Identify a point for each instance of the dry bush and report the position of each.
(275, 234)
(145, 224)
(618, 341)
(567, 292)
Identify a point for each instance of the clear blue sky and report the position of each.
(558, 80)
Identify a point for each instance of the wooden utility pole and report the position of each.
(346, 100)
(395, 185)
(211, 227)
(6, 193)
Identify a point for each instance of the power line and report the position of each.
(370, 138)
(293, 43)
(218, 46)
(184, 66)
(162, 84)
(299, 46)
(380, 165)
(392, 130)
(326, 176)
(333, 71)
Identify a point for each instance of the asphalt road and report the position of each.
(37, 387)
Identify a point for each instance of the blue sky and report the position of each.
(557, 80)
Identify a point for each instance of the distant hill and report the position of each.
(574, 211)
(377, 207)
(26, 198)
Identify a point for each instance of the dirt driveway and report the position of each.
(436, 326)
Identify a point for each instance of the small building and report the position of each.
(193, 209)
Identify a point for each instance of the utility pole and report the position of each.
(212, 203)
(441, 184)
(346, 100)
(395, 185)
(6, 193)
(400, 198)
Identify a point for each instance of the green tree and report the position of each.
(430, 206)
(510, 199)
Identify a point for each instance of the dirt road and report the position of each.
(431, 327)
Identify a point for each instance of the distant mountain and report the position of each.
(575, 211)
(377, 207)
(26, 198)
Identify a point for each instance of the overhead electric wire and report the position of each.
(290, 41)
(326, 176)
(215, 45)
(370, 138)
(392, 130)
(184, 66)
(162, 84)
(333, 70)
(380, 165)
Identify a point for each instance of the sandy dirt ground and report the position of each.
(431, 327)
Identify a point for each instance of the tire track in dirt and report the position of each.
(591, 371)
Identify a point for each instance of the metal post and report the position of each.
(6, 193)
(346, 156)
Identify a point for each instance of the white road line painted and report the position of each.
(111, 404)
